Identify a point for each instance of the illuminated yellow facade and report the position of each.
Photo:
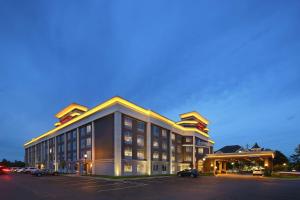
(83, 139)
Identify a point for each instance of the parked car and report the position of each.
(4, 170)
(30, 170)
(257, 172)
(20, 170)
(188, 172)
(44, 172)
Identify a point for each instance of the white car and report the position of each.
(30, 170)
(257, 172)
(21, 170)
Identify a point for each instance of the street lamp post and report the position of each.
(85, 157)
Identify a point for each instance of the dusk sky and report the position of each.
(235, 62)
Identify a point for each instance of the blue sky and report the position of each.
(235, 62)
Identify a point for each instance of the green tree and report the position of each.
(280, 158)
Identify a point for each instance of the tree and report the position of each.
(280, 158)
(295, 158)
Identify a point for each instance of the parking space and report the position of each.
(63, 187)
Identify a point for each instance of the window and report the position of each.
(69, 136)
(164, 133)
(188, 149)
(128, 137)
(82, 131)
(140, 140)
(155, 155)
(141, 126)
(188, 139)
(74, 156)
(188, 158)
(69, 146)
(172, 148)
(155, 131)
(74, 134)
(173, 158)
(155, 167)
(88, 142)
(140, 154)
(178, 149)
(164, 156)
(127, 167)
(173, 136)
(155, 143)
(164, 168)
(89, 155)
(164, 146)
(82, 144)
(88, 129)
(128, 152)
(140, 168)
(200, 150)
(128, 123)
(74, 145)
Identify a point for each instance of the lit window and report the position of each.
(172, 148)
(128, 137)
(188, 139)
(173, 158)
(128, 152)
(164, 146)
(164, 156)
(128, 122)
(140, 140)
(155, 155)
(127, 167)
(200, 150)
(141, 126)
(155, 143)
(188, 158)
(164, 133)
(88, 128)
(188, 149)
(173, 136)
(140, 154)
(140, 168)
(89, 155)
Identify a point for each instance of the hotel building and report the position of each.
(119, 138)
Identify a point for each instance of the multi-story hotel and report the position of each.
(117, 138)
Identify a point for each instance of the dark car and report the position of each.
(188, 172)
(45, 172)
(4, 170)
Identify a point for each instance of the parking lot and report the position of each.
(22, 186)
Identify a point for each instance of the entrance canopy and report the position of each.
(217, 163)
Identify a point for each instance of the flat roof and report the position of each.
(248, 154)
(123, 102)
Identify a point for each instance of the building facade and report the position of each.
(118, 138)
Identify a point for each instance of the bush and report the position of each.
(267, 172)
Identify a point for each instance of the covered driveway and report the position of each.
(238, 163)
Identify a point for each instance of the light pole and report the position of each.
(85, 157)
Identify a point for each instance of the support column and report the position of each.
(65, 151)
(48, 155)
(194, 149)
(55, 154)
(170, 150)
(35, 155)
(148, 147)
(93, 147)
(118, 143)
